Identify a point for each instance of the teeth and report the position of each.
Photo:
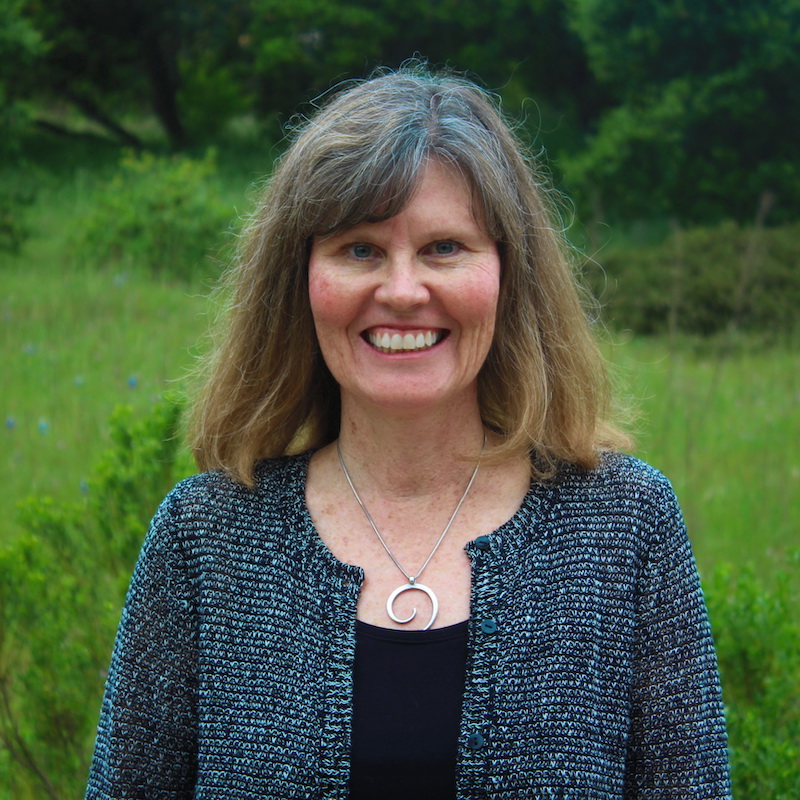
(397, 343)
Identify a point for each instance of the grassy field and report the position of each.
(74, 346)
(721, 427)
(721, 420)
(75, 343)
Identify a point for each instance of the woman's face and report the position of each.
(404, 309)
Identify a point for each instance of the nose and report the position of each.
(403, 283)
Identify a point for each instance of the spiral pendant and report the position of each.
(407, 587)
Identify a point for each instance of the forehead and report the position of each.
(441, 200)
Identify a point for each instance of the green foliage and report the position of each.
(757, 635)
(197, 63)
(20, 46)
(13, 230)
(106, 58)
(210, 95)
(704, 281)
(18, 37)
(519, 47)
(650, 107)
(97, 55)
(296, 45)
(635, 45)
(704, 96)
(164, 214)
(61, 588)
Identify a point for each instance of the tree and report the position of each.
(517, 47)
(103, 56)
(704, 94)
(195, 61)
(20, 46)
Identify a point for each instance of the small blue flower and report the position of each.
(29, 348)
(133, 381)
(44, 425)
(84, 487)
(11, 423)
(79, 380)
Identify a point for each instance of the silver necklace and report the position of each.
(412, 579)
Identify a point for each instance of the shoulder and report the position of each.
(212, 505)
(273, 477)
(618, 478)
(621, 500)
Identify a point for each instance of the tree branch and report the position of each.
(94, 112)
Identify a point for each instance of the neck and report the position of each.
(410, 455)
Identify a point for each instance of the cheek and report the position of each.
(323, 298)
(480, 302)
(480, 316)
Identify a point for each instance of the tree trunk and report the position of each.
(159, 60)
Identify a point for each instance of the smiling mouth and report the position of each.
(405, 342)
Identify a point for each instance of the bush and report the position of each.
(13, 230)
(161, 213)
(16, 190)
(704, 281)
(62, 584)
(757, 635)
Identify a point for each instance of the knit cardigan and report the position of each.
(591, 671)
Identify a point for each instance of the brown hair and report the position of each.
(266, 390)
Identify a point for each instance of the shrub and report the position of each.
(161, 213)
(13, 230)
(704, 281)
(210, 95)
(62, 584)
(757, 635)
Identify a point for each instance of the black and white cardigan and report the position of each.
(591, 671)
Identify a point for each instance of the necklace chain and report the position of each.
(412, 579)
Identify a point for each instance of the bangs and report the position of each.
(346, 192)
(375, 195)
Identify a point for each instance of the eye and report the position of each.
(361, 251)
(446, 248)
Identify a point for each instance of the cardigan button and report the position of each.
(483, 543)
(475, 741)
(489, 625)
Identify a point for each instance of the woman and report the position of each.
(455, 586)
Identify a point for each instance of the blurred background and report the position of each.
(134, 138)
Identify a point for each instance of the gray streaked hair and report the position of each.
(267, 390)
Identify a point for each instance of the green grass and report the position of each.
(73, 349)
(722, 427)
(75, 342)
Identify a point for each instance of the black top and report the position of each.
(407, 694)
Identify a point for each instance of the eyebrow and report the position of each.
(444, 230)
